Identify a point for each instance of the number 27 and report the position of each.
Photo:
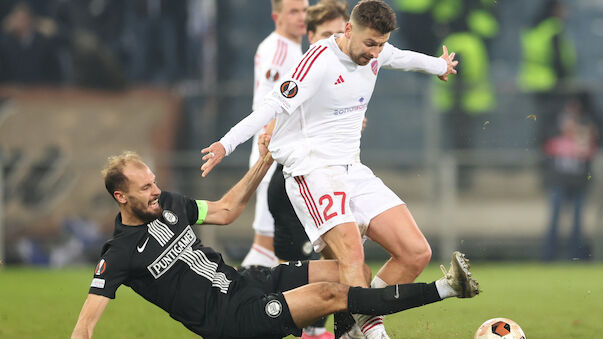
(330, 204)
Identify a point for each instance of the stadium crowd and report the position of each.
(101, 43)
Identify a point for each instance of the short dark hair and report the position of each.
(113, 173)
(326, 10)
(374, 14)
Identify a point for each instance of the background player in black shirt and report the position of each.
(155, 252)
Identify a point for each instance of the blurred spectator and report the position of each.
(569, 149)
(90, 35)
(153, 30)
(548, 60)
(26, 55)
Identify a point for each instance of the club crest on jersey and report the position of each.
(375, 66)
(100, 268)
(272, 75)
(289, 89)
(274, 308)
(170, 217)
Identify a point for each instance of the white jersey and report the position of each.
(325, 98)
(273, 58)
(320, 104)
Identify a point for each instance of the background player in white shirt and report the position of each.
(319, 108)
(275, 55)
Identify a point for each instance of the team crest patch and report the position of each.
(375, 66)
(100, 268)
(289, 89)
(274, 308)
(170, 217)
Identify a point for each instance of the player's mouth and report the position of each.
(154, 203)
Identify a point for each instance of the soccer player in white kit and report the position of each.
(275, 55)
(319, 106)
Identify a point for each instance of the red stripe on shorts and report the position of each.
(311, 198)
(302, 191)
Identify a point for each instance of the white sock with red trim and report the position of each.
(372, 326)
(260, 256)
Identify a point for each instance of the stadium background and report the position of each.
(195, 82)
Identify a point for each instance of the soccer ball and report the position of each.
(499, 328)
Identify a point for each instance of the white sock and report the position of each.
(369, 325)
(378, 282)
(314, 331)
(444, 289)
(259, 256)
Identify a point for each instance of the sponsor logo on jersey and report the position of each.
(339, 81)
(289, 89)
(100, 267)
(170, 217)
(341, 111)
(98, 283)
(375, 66)
(171, 254)
(274, 308)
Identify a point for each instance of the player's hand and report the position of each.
(213, 155)
(363, 125)
(263, 142)
(450, 62)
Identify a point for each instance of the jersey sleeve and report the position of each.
(270, 63)
(110, 272)
(302, 81)
(395, 58)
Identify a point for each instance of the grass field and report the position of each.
(548, 301)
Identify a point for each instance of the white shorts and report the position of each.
(263, 223)
(334, 195)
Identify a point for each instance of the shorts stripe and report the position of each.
(303, 180)
(309, 204)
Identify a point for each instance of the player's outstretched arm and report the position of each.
(213, 155)
(93, 308)
(240, 133)
(450, 63)
(232, 204)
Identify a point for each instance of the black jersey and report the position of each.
(165, 263)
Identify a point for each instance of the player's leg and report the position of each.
(345, 245)
(397, 232)
(322, 205)
(308, 302)
(290, 241)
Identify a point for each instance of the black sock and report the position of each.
(391, 299)
(342, 323)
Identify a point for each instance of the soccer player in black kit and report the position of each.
(155, 252)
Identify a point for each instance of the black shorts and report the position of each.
(290, 239)
(257, 308)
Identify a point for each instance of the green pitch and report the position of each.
(548, 301)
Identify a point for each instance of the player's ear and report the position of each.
(274, 16)
(311, 36)
(348, 29)
(120, 197)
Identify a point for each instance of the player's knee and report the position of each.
(417, 259)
